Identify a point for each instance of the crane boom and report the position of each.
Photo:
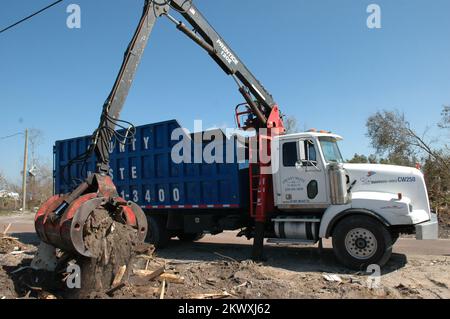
(259, 100)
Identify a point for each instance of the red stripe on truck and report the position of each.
(189, 206)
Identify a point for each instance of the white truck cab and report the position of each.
(363, 207)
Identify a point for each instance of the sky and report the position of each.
(318, 58)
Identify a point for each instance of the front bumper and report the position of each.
(428, 230)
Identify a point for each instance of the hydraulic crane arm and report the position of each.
(220, 51)
(116, 99)
(62, 219)
(259, 100)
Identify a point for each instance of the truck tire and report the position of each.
(187, 237)
(360, 241)
(395, 237)
(157, 233)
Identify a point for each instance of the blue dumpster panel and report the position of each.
(143, 172)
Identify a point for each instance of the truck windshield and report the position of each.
(331, 150)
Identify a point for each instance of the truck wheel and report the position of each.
(360, 241)
(157, 233)
(186, 237)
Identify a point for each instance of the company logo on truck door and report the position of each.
(292, 184)
(226, 53)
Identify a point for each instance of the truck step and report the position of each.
(297, 220)
(282, 241)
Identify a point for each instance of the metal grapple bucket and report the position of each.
(61, 220)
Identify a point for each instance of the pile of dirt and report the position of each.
(129, 270)
(10, 244)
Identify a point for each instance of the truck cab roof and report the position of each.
(311, 134)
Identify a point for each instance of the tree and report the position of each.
(359, 159)
(291, 125)
(373, 159)
(40, 184)
(391, 134)
(393, 137)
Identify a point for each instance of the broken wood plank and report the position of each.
(149, 274)
(119, 275)
(163, 290)
(17, 252)
(172, 278)
(221, 295)
(6, 229)
(114, 289)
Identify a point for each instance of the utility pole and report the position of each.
(24, 177)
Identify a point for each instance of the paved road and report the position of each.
(23, 227)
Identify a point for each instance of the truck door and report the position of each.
(302, 175)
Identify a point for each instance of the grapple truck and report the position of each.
(303, 193)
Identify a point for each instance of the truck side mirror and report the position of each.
(299, 164)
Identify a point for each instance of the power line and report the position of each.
(30, 16)
(9, 136)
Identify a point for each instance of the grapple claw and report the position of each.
(66, 229)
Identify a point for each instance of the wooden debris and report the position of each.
(117, 285)
(221, 295)
(184, 262)
(241, 285)
(111, 291)
(10, 238)
(212, 281)
(119, 276)
(172, 278)
(6, 229)
(332, 278)
(105, 252)
(17, 252)
(149, 274)
(163, 290)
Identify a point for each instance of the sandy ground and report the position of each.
(218, 267)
